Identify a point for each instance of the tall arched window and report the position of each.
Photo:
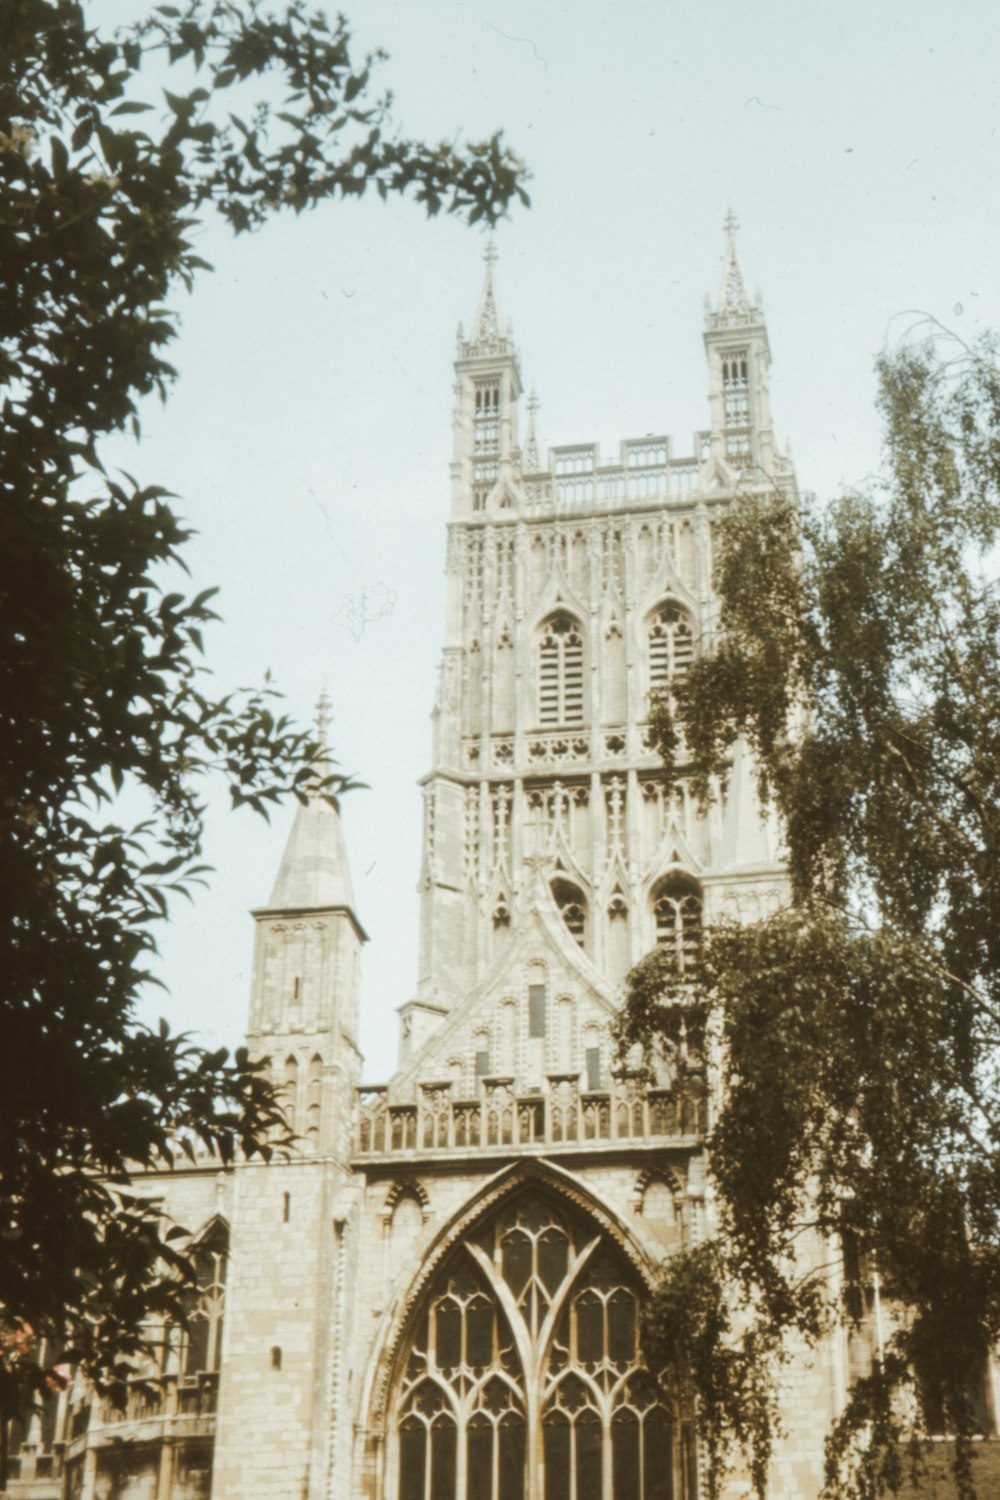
(560, 672)
(677, 914)
(523, 1377)
(205, 1306)
(671, 645)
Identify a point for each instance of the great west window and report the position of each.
(524, 1379)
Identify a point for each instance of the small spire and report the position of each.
(531, 460)
(486, 328)
(314, 873)
(734, 304)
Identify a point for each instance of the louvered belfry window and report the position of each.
(524, 1378)
(560, 672)
(671, 645)
(677, 912)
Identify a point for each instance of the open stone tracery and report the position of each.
(524, 1376)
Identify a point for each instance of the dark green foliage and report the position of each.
(856, 1145)
(103, 707)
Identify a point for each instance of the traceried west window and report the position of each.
(677, 915)
(524, 1379)
(560, 672)
(671, 645)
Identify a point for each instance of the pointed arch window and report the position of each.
(677, 913)
(671, 645)
(572, 904)
(206, 1305)
(560, 672)
(523, 1378)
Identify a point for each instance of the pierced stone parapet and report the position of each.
(551, 749)
(500, 1117)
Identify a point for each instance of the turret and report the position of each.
(739, 358)
(304, 999)
(284, 1330)
(488, 385)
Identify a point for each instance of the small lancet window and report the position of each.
(560, 672)
(677, 912)
(536, 1010)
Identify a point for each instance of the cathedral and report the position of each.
(437, 1296)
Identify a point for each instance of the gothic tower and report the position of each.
(576, 586)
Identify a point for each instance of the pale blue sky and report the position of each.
(309, 435)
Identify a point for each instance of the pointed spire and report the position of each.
(486, 327)
(314, 873)
(532, 463)
(733, 300)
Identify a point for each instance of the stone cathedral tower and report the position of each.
(577, 585)
(438, 1297)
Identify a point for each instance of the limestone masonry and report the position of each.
(437, 1297)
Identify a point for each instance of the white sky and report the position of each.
(309, 435)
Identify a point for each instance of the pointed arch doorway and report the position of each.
(521, 1376)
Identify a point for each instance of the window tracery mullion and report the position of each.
(547, 1329)
(522, 1344)
(565, 1353)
